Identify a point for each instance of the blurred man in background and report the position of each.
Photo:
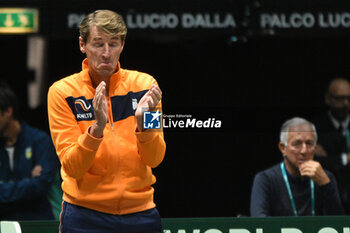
(333, 149)
(28, 164)
(298, 186)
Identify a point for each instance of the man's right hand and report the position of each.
(101, 111)
(315, 171)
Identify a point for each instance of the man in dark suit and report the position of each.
(298, 185)
(333, 149)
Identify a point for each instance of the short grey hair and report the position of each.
(294, 122)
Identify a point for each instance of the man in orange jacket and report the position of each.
(96, 123)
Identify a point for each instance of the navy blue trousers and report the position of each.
(77, 219)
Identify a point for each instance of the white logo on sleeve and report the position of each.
(134, 103)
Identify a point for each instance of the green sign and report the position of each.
(339, 224)
(18, 20)
(336, 224)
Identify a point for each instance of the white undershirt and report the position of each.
(11, 152)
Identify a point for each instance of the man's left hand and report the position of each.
(147, 103)
(36, 171)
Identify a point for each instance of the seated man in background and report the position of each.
(298, 186)
(333, 149)
(28, 164)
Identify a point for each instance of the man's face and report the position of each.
(5, 118)
(338, 99)
(102, 51)
(300, 146)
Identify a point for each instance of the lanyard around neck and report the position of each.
(284, 173)
(347, 135)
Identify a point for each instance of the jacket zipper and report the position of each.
(110, 115)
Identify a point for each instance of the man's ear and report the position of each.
(282, 147)
(327, 99)
(81, 44)
(123, 43)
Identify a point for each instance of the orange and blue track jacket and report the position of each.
(112, 174)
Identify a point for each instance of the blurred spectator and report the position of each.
(298, 186)
(28, 164)
(334, 140)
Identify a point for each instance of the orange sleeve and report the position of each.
(76, 149)
(151, 144)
